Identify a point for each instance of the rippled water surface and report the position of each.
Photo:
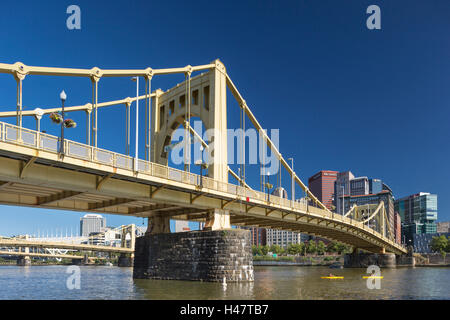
(286, 282)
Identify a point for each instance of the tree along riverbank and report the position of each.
(308, 260)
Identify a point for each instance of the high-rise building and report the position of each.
(92, 223)
(418, 213)
(375, 186)
(397, 228)
(359, 186)
(322, 186)
(342, 188)
(282, 237)
(347, 185)
(258, 235)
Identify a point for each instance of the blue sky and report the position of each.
(344, 97)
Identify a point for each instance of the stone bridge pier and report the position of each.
(218, 253)
(125, 260)
(24, 260)
(384, 260)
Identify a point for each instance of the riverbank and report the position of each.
(35, 263)
(309, 260)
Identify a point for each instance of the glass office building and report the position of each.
(91, 223)
(418, 213)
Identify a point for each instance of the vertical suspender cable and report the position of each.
(242, 138)
(186, 125)
(88, 127)
(136, 152)
(149, 127)
(93, 114)
(127, 129)
(19, 108)
(189, 120)
(96, 113)
(146, 120)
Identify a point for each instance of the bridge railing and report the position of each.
(21, 136)
(43, 141)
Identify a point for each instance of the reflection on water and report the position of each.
(290, 282)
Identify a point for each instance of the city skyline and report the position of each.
(316, 53)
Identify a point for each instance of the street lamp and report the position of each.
(269, 186)
(203, 165)
(307, 202)
(60, 119)
(63, 98)
(137, 122)
(293, 185)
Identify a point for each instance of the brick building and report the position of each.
(322, 186)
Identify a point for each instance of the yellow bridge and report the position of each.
(85, 178)
(61, 245)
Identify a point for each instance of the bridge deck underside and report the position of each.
(329, 232)
(38, 179)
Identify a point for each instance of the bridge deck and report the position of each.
(90, 179)
(40, 255)
(62, 245)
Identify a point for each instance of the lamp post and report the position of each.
(269, 186)
(137, 123)
(63, 98)
(65, 123)
(239, 175)
(293, 185)
(203, 165)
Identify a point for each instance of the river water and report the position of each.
(274, 282)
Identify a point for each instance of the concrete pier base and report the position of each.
(405, 261)
(24, 261)
(77, 262)
(363, 260)
(219, 255)
(125, 261)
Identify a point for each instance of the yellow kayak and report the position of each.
(373, 277)
(332, 277)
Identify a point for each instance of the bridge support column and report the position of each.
(158, 223)
(76, 262)
(215, 255)
(363, 260)
(125, 260)
(24, 261)
(217, 220)
(406, 260)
